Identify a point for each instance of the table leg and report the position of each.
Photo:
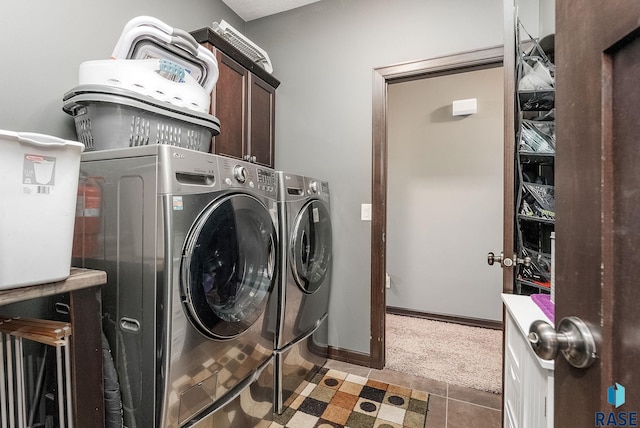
(86, 357)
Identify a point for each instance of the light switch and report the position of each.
(365, 212)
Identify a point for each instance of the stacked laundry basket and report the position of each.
(156, 89)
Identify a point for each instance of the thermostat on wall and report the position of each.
(465, 107)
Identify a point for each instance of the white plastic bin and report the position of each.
(38, 189)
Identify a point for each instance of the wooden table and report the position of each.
(83, 286)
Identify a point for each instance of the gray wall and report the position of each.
(528, 11)
(324, 54)
(43, 43)
(547, 17)
(445, 195)
(537, 16)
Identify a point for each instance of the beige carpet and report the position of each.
(452, 353)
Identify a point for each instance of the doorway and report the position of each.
(382, 77)
(444, 192)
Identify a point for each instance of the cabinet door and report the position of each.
(528, 387)
(261, 121)
(514, 350)
(229, 105)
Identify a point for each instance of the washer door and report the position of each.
(228, 266)
(311, 246)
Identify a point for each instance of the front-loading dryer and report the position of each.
(305, 283)
(190, 246)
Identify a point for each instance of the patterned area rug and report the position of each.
(332, 399)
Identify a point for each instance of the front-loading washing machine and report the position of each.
(305, 282)
(190, 245)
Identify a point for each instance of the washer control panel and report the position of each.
(266, 180)
(239, 174)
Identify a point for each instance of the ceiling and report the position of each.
(249, 10)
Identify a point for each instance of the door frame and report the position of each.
(382, 77)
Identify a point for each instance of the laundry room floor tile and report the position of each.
(339, 400)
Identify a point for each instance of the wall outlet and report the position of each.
(365, 212)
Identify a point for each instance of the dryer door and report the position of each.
(311, 246)
(228, 266)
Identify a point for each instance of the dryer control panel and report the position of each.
(294, 187)
(317, 188)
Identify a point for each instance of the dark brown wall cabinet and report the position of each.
(244, 102)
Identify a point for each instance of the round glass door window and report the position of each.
(311, 246)
(228, 267)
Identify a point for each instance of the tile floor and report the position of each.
(450, 406)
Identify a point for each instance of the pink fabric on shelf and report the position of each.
(544, 302)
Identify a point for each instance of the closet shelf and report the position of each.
(541, 155)
(536, 100)
(533, 284)
(536, 219)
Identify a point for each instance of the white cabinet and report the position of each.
(528, 380)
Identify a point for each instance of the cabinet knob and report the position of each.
(573, 339)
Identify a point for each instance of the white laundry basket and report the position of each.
(38, 188)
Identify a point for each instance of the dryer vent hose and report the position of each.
(112, 399)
